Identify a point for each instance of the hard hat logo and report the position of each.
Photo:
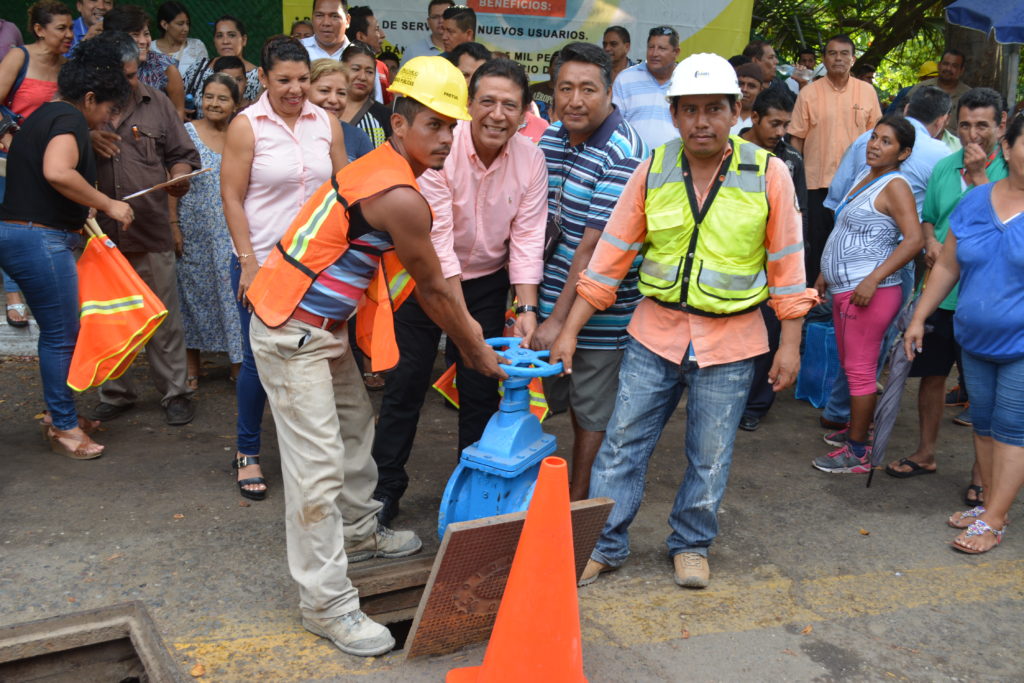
(703, 74)
(436, 83)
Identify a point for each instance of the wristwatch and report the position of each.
(526, 309)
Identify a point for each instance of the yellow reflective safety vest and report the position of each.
(711, 260)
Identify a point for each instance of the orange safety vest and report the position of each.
(118, 314)
(319, 236)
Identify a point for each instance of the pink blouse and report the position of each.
(287, 168)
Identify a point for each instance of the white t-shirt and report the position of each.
(193, 51)
(317, 52)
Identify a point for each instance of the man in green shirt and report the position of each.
(981, 120)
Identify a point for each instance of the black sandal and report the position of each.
(977, 499)
(245, 461)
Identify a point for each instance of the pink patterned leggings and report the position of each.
(859, 334)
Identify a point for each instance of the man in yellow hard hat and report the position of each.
(928, 69)
(697, 213)
(366, 231)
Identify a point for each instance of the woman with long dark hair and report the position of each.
(229, 40)
(175, 23)
(361, 110)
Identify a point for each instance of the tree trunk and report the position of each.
(989, 64)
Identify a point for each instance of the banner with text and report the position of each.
(530, 30)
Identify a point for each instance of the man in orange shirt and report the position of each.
(830, 114)
(697, 211)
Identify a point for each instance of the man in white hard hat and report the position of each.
(697, 213)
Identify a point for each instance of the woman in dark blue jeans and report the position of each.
(51, 175)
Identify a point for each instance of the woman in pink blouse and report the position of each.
(274, 159)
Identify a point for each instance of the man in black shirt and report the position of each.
(771, 114)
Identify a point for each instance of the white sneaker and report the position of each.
(384, 542)
(353, 633)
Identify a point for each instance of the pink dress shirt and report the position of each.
(287, 168)
(488, 217)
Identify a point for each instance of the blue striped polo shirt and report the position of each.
(338, 288)
(643, 103)
(584, 184)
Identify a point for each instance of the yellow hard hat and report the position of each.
(928, 70)
(436, 83)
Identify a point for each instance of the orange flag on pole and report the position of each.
(118, 313)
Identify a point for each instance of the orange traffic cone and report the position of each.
(536, 636)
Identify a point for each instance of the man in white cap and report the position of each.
(712, 252)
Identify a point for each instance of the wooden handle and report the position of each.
(92, 227)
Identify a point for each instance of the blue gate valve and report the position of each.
(496, 475)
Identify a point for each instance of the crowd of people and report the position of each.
(659, 227)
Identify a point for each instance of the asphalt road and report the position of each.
(799, 591)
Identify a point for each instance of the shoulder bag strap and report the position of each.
(21, 76)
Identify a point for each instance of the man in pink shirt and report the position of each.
(490, 209)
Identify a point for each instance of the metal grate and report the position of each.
(462, 595)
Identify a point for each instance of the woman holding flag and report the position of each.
(51, 175)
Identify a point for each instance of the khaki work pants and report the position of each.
(324, 425)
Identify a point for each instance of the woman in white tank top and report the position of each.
(860, 267)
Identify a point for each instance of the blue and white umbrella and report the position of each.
(1003, 17)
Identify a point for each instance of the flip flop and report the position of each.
(21, 310)
(915, 469)
(977, 500)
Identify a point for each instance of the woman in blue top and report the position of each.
(985, 252)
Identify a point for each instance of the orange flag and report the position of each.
(445, 386)
(118, 313)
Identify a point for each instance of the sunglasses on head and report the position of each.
(662, 31)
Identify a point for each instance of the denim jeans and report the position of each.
(649, 391)
(997, 397)
(249, 393)
(42, 263)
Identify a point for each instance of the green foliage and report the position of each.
(894, 35)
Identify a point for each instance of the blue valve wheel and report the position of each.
(523, 362)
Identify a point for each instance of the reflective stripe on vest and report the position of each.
(724, 258)
(318, 237)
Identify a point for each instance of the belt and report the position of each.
(329, 324)
(33, 224)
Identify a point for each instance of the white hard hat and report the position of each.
(704, 74)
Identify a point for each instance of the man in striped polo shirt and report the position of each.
(640, 90)
(590, 153)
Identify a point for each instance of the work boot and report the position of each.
(105, 412)
(691, 570)
(179, 411)
(353, 633)
(592, 571)
(384, 542)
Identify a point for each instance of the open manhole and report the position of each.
(116, 643)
